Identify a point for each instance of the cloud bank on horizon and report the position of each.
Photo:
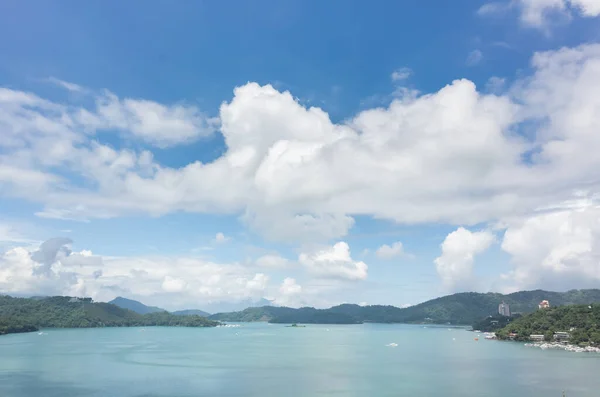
(513, 169)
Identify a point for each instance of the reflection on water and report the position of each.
(272, 360)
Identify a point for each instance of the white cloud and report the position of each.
(390, 251)
(50, 270)
(451, 156)
(538, 13)
(535, 12)
(558, 250)
(155, 123)
(334, 262)
(474, 58)
(8, 234)
(172, 284)
(290, 287)
(272, 261)
(459, 249)
(175, 282)
(401, 74)
(493, 8)
(289, 293)
(495, 84)
(28, 120)
(588, 8)
(220, 238)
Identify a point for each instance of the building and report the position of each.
(504, 309)
(544, 304)
(560, 336)
(79, 300)
(537, 338)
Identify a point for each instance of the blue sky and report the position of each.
(355, 125)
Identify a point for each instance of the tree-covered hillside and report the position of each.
(60, 312)
(252, 314)
(493, 323)
(191, 312)
(13, 326)
(287, 315)
(461, 309)
(581, 321)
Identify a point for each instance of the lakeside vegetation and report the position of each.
(457, 309)
(494, 323)
(582, 322)
(13, 326)
(24, 314)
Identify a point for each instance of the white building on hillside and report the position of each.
(504, 309)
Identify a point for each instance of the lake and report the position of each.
(275, 360)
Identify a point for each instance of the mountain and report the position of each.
(135, 306)
(582, 322)
(67, 312)
(461, 309)
(226, 307)
(287, 315)
(191, 312)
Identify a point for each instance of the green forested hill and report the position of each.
(59, 312)
(581, 321)
(191, 312)
(462, 308)
(286, 315)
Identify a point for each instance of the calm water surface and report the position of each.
(274, 360)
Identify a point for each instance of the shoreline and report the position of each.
(566, 347)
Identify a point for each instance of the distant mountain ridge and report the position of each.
(459, 309)
(140, 308)
(135, 306)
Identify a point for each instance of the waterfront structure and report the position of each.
(537, 338)
(561, 336)
(504, 309)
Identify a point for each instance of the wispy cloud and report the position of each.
(65, 84)
(493, 8)
(495, 84)
(474, 58)
(401, 74)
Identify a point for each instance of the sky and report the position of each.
(212, 154)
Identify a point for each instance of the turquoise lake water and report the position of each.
(274, 360)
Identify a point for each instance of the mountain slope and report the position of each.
(462, 308)
(191, 312)
(581, 321)
(61, 312)
(287, 315)
(135, 306)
